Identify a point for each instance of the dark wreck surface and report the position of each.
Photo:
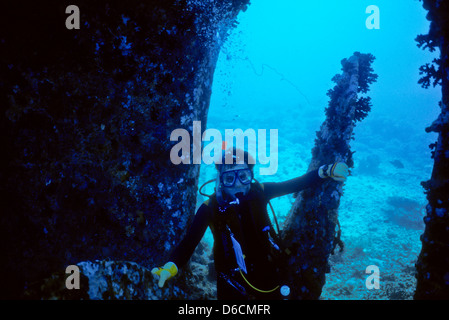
(85, 130)
(433, 262)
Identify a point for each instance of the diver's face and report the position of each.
(236, 180)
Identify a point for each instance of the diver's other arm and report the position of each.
(277, 189)
(338, 171)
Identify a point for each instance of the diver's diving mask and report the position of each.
(229, 178)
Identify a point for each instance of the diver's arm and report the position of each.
(184, 250)
(338, 171)
(277, 189)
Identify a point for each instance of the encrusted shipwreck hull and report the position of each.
(85, 130)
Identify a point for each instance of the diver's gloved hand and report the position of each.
(339, 171)
(168, 271)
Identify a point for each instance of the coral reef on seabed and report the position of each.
(127, 280)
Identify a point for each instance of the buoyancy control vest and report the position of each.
(248, 223)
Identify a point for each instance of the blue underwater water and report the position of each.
(274, 71)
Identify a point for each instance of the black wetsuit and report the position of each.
(248, 222)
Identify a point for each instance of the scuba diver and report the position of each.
(247, 253)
